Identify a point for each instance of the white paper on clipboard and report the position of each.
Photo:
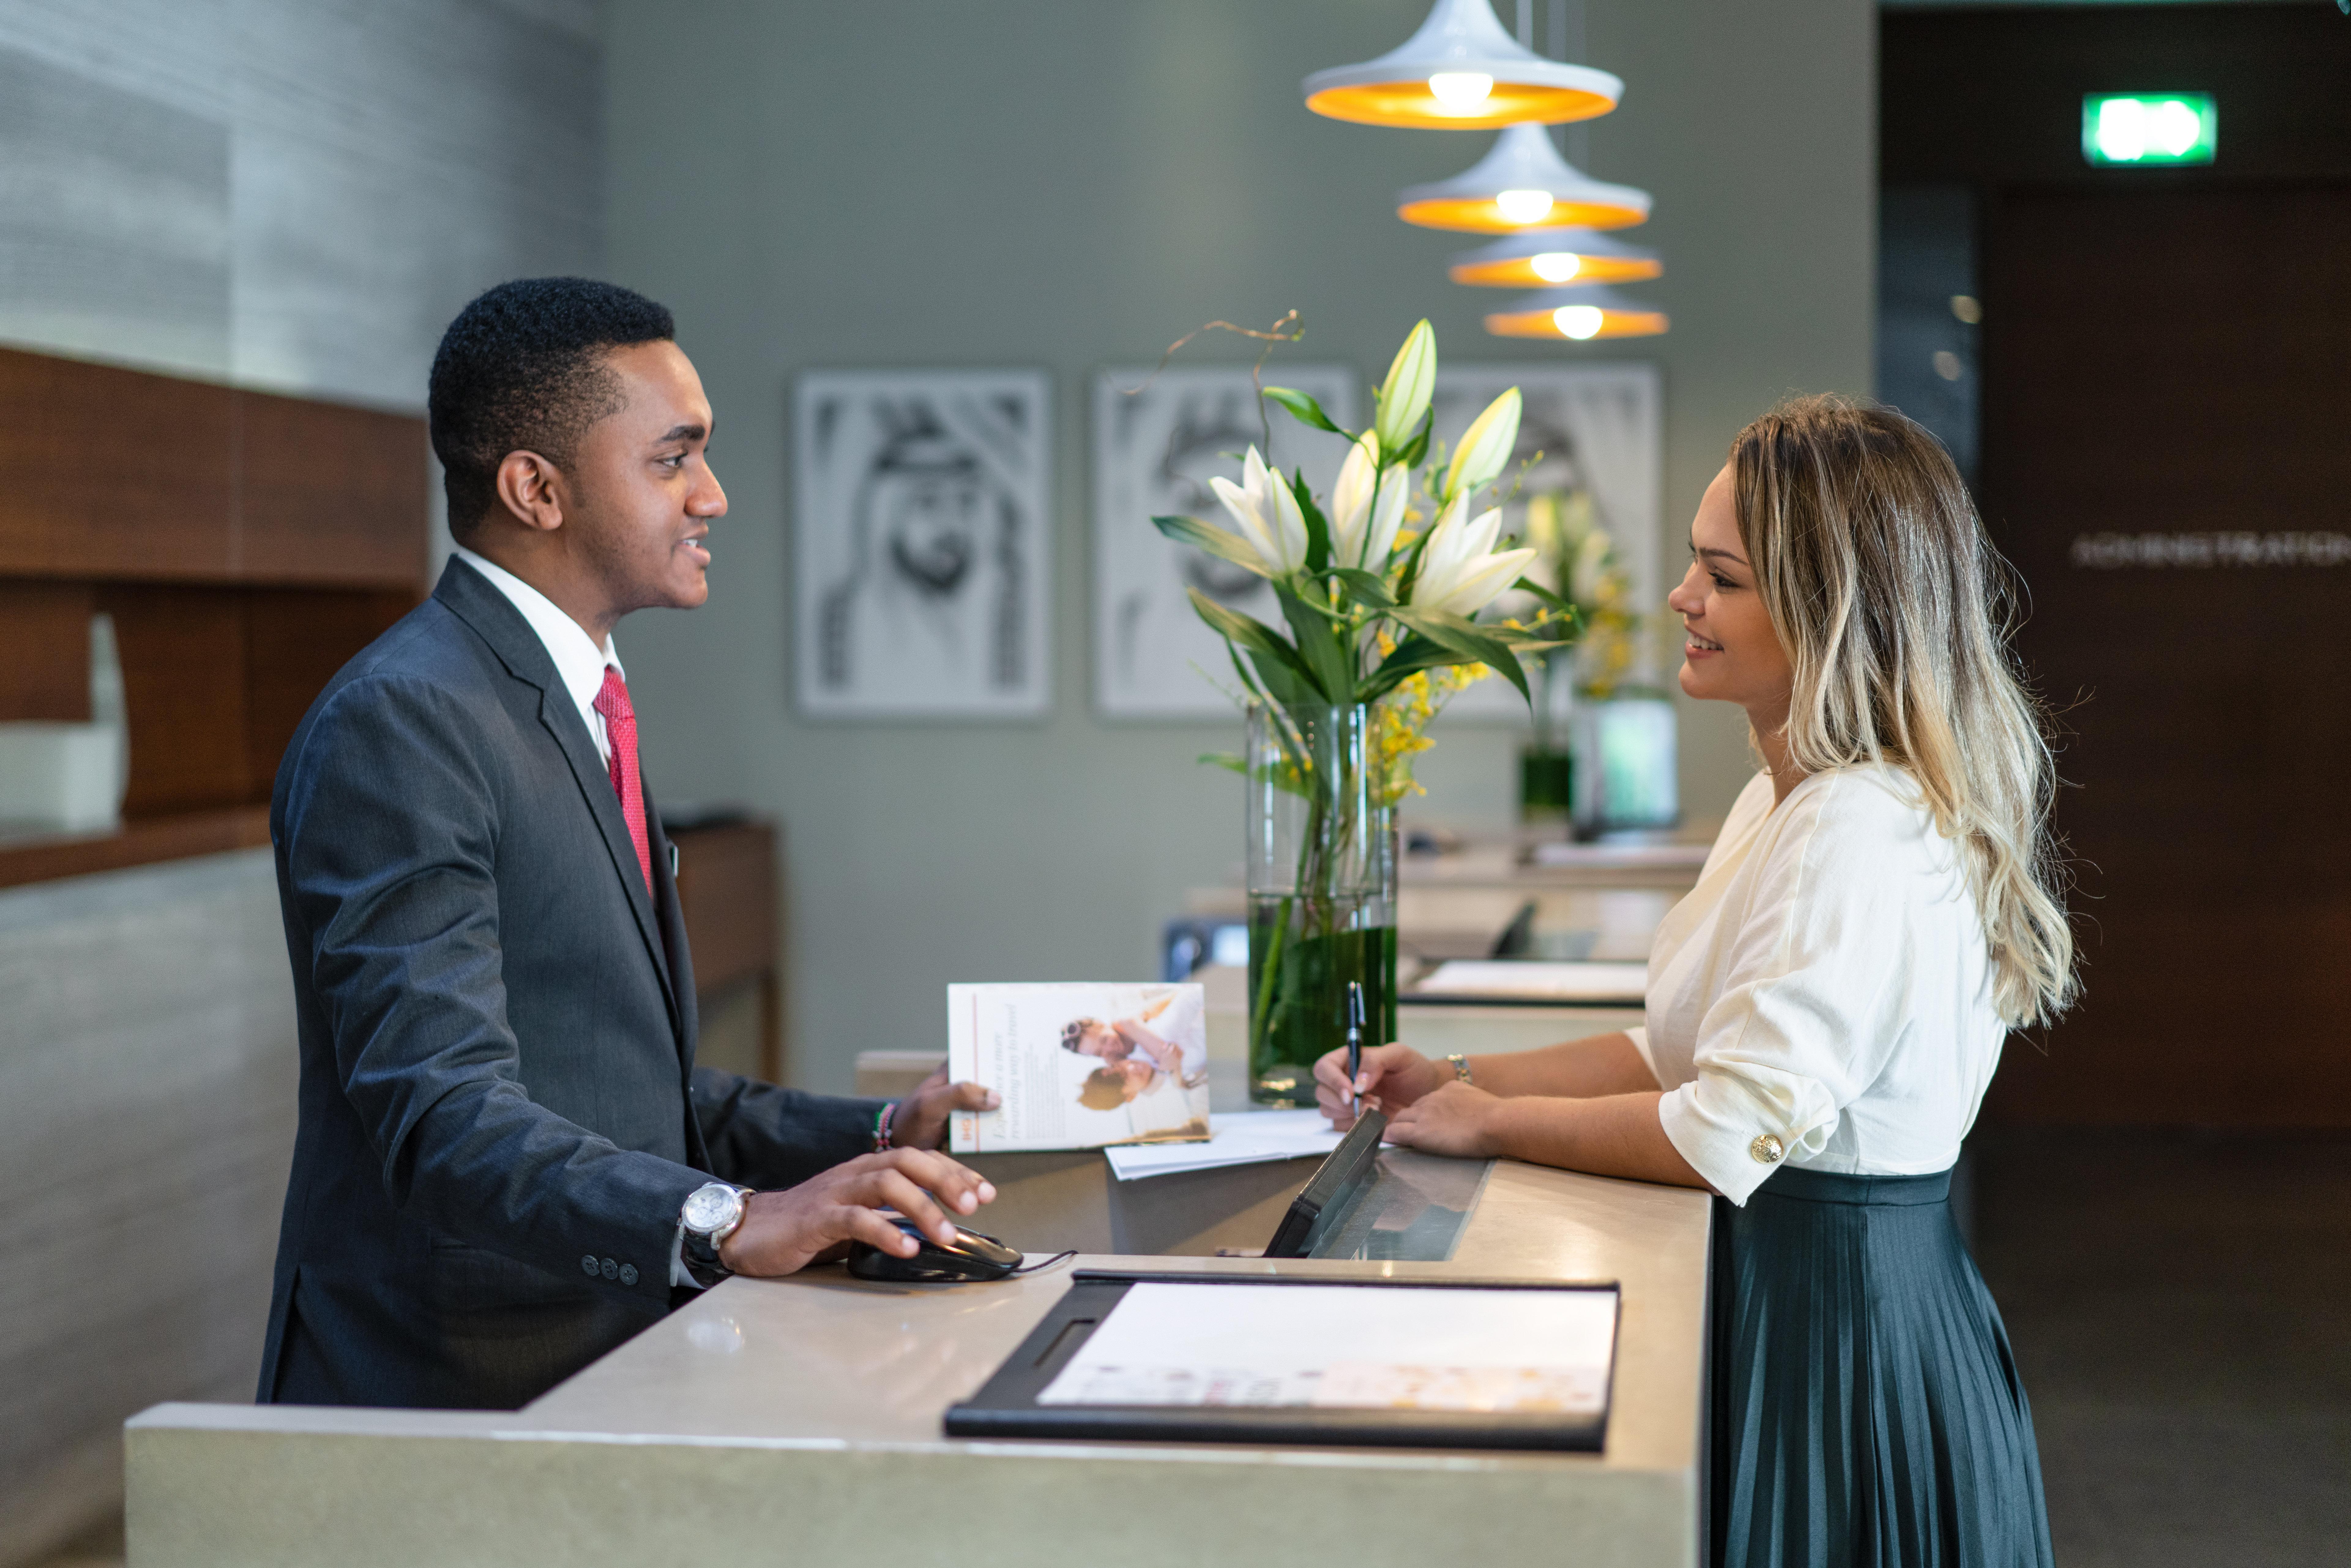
(1390, 1347)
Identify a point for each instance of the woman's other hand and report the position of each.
(1455, 1119)
(1392, 1077)
(920, 1122)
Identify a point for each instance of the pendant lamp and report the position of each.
(1522, 184)
(1461, 72)
(1576, 313)
(1536, 258)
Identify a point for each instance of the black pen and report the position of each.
(1354, 1040)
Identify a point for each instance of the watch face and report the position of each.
(711, 1208)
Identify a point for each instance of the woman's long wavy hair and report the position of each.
(1895, 610)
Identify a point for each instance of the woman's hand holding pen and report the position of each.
(1391, 1078)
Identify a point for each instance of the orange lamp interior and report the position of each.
(1480, 215)
(1410, 103)
(1518, 272)
(1613, 324)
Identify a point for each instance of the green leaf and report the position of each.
(1267, 650)
(1231, 761)
(1213, 540)
(1412, 655)
(1529, 585)
(1367, 588)
(1317, 529)
(1473, 641)
(1320, 645)
(1303, 409)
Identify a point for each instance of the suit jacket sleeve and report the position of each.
(389, 836)
(762, 1136)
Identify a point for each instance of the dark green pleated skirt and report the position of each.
(1866, 1410)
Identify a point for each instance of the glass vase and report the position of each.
(1322, 891)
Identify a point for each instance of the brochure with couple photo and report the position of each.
(1080, 1066)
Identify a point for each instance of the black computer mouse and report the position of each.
(973, 1256)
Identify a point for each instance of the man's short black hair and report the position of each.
(522, 369)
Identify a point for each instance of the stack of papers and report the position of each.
(1246, 1139)
(1521, 980)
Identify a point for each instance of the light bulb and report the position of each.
(1577, 322)
(2122, 130)
(2176, 127)
(1555, 265)
(1461, 92)
(1524, 206)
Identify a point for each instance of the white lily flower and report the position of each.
(1350, 498)
(1388, 516)
(1459, 571)
(1404, 396)
(1366, 507)
(1485, 446)
(1270, 522)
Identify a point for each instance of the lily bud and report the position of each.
(1486, 446)
(1404, 396)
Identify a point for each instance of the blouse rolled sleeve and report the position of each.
(1808, 1010)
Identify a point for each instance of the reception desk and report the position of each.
(799, 1419)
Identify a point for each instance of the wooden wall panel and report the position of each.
(294, 643)
(2164, 377)
(44, 651)
(183, 684)
(329, 493)
(113, 473)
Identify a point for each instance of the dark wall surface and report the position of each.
(2164, 403)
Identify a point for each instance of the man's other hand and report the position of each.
(921, 1120)
(785, 1231)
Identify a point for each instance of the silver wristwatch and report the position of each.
(709, 1215)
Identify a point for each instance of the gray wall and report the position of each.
(288, 194)
(1070, 183)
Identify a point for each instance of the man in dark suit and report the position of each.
(506, 1155)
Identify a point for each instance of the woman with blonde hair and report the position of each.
(1827, 1008)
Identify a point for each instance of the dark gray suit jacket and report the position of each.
(500, 1112)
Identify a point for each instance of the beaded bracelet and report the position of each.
(881, 1127)
(1461, 1067)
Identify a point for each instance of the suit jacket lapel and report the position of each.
(472, 598)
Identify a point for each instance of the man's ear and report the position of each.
(530, 488)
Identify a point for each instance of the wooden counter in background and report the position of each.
(729, 891)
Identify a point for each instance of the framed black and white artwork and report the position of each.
(1157, 439)
(1599, 428)
(922, 536)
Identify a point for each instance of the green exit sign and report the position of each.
(2142, 128)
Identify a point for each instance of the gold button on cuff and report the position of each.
(1767, 1148)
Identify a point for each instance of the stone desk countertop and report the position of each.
(799, 1419)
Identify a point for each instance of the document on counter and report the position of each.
(1524, 980)
(1339, 1348)
(1083, 1066)
(1249, 1138)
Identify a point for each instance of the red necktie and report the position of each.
(621, 725)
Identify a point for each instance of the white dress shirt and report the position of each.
(1827, 984)
(578, 659)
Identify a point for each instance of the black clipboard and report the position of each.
(1006, 1405)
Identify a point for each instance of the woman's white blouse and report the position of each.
(1823, 995)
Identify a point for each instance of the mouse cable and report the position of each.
(1038, 1268)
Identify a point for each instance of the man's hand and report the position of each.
(1392, 1077)
(785, 1231)
(1452, 1119)
(921, 1120)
